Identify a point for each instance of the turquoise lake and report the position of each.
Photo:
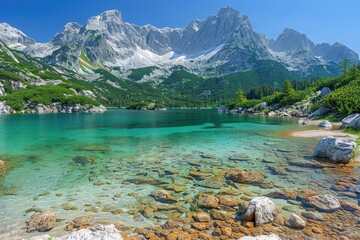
(86, 161)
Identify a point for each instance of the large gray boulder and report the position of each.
(262, 237)
(355, 123)
(337, 150)
(97, 232)
(326, 203)
(325, 91)
(261, 210)
(345, 122)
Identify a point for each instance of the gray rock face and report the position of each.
(325, 124)
(42, 221)
(97, 232)
(337, 150)
(313, 216)
(326, 203)
(296, 222)
(325, 91)
(262, 210)
(262, 237)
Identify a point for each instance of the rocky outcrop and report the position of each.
(326, 203)
(325, 124)
(56, 107)
(87, 93)
(295, 222)
(262, 237)
(5, 109)
(42, 221)
(337, 150)
(261, 210)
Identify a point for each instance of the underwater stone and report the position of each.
(325, 203)
(42, 221)
(295, 222)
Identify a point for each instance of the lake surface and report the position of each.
(80, 164)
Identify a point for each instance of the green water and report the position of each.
(49, 154)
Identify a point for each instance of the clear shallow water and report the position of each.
(85, 159)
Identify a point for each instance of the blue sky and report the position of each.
(322, 20)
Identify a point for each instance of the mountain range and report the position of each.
(217, 54)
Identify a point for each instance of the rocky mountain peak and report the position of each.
(67, 35)
(13, 37)
(111, 15)
(105, 21)
(290, 41)
(227, 12)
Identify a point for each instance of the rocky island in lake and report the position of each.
(259, 140)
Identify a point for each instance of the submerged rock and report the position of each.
(42, 221)
(337, 150)
(246, 177)
(313, 216)
(295, 222)
(262, 237)
(262, 210)
(3, 167)
(83, 160)
(208, 201)
(326, 203)
(163, 196)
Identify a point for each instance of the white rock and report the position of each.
(337, 150)
(262, 237)
(262, 210)
(325, 124)
(296, 222)
(97, 232)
